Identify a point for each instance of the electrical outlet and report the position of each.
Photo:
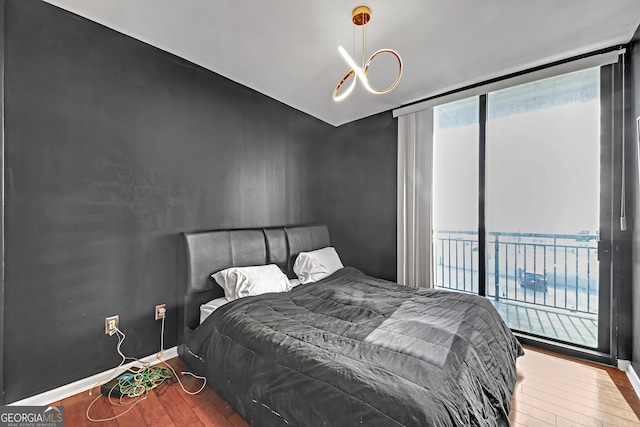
(161, 310)
(111, 324)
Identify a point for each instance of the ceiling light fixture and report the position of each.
(360, 17)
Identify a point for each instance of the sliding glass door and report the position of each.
(516, 204)
(542, 206)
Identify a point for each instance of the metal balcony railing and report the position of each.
(553, 270)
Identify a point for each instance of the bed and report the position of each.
(346, 350)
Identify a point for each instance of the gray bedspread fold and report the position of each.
(356, 350)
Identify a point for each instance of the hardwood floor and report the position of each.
(551, 390)
(555, 390)
(165, 406)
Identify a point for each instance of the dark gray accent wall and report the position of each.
(112, 148)
(364, 226)
(2, 394)
(622, 240)
(633, 86)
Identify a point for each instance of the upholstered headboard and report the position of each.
(303, 239)
(203, 253)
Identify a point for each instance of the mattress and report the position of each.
(352, 349)
(209, 307)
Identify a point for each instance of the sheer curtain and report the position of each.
(415, 153)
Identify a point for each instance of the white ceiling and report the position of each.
(287, 49)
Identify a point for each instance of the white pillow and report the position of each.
(293, 283)
(315, 265)
(239, 282)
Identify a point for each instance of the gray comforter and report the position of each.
(355, 350)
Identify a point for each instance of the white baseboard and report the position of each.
(623, 365)
(627, 367)
(85, 384)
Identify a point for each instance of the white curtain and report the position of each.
(415, 154)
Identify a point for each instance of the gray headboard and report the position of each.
(203, 253)
(302, 239)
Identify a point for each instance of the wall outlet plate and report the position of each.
(161, 311)
(110, 324)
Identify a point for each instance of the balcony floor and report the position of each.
(565, 325)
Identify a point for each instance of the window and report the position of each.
(455, 192)
(530, 156)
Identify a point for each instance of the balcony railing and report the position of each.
(554, 270)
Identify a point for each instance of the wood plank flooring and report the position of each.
(165, 406)
(551, 390)
(554, 390)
